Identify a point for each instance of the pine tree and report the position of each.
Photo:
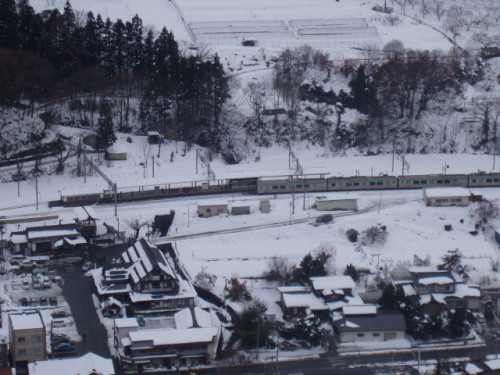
(135, 45)
(8, 24)
(119, 48)
(363, 92)
(91, 41)
(29, 26)
(148, 56)
(105, 133)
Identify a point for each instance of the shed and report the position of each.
(324, 203)
(154, 138)
(265, 205)
(240, 210)
(212, 209)
(447, 197)
(116, 152)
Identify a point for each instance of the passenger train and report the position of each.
(281, 184)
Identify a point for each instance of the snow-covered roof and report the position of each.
(18, 238)
(153, 133)
(438, 297)
(85, 213)
(160, 337)
(446, 192)
(493, 364)
(332, 282)
(184, 318)
(78, 240)
(145, 258)
(126, 323)
(302, 300)
(51, 231)
(442, 280)
(464, 290)
(293, 289)
(213, 203)
(336, 197)
(359, 309)
(26, 321)
(87, 364)
(472, 369)
(116, 149)
(384, 320)
(409, 290)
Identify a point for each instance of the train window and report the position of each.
(348, 184)
(282, 187)
(299, 186)
(416, 182)
(372, 183)
(333, 184)
(275, 187)
(496, 180)
(439, 181)
(473, 180)
(306, 185)
(423, 182)
(447, 181)
(355, 184)
(488, 180)
(380, 183)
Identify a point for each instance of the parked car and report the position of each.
(57, 339)
(26, 284)
(37, 284)
(23, 301)
(33, 301)
(140, 320)
(46, 282)
(59, 314)
(53, 301)
(58, 323)
(44, 301)
(63, 347)
(87, 266)
(52, 276)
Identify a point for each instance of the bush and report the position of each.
(280, 270)
(237, 291)
(374, 234)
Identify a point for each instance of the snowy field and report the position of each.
(413, 229)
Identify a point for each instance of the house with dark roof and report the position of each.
(367, 323)
(193, 341)
(48, 240)
(437, 291)
(146, 280)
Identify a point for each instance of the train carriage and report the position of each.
(362, 183)
(421, 181)
(484, 179)
(290, 184)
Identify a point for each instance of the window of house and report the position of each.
(37, 351)
(37, 338)
(360, 335)
(21, 339)
(21, 351)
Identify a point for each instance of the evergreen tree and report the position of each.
(388, 298)
(350, 270)
(442, 367)
(457, 323)
(119, 48)
(105, 133)
(363, 92)
(148, 56)
(135, 45)
(91, 41)
(8, 24)
(29, 27)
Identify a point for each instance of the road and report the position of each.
(77, 290)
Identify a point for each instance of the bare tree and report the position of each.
(61, 159)
(136, 224)
(257, 96)
(279, 269)
(374, 234)
(146, 153)
(485, 211)
(425, 8)
(439, 9)
(205, 280)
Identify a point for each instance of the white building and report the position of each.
(324, 203)
(446, 197)
(89, 364)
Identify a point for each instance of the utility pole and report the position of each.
(393, 152)
(36, 189)
(153, 162)
(197, 161)
(115, 188)
(84, 167)
(403, 166)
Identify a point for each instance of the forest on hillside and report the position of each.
(62, 67)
